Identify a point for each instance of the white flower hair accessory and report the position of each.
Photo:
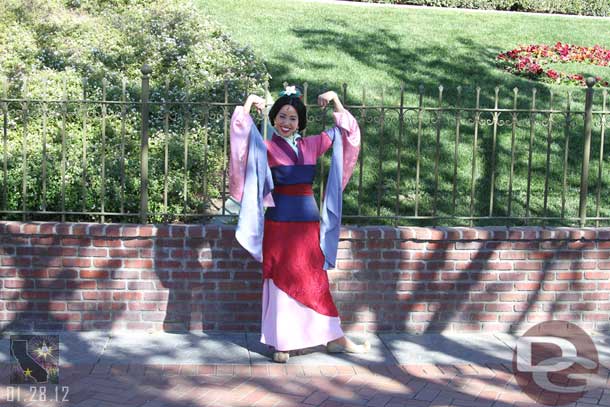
(291, 91)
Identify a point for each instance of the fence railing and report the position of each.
(450, 158)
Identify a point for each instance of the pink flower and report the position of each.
(552, 74)
(535, 68)
(529, 59)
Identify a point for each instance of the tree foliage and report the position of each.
(57, 52)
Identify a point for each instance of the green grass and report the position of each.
(377, 48)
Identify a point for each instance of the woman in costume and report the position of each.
(299, 243)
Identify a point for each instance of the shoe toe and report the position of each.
(281, 357)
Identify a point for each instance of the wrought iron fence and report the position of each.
(448, 159)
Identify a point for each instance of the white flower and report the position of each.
(290, 90)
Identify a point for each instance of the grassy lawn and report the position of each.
(377, 48)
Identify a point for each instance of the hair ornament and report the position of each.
(291, 91)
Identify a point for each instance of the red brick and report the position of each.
(597, 275)
(469, 245)
(572, 275)
(80, 229)
(97, 274)
(107, 263)
(126, 296)
(137, 230)
(79, 284)
(596, 255)
(382, 265)
(546, 255)
(350, 264)
(533, 245)
(598, 296)
(578, 286)
(125, 274)
(76, 262)
(555, 286)
(499, 307)
(498, 286)
(596, 316)
(513, 297)
(143, 306)
(583, 265)
(96, 316)
(51, 284)
(156, 296)
(106, 242)
(468, 233)
(32, 273)
(585, 306)
(92, 252)
(140, 263)
(527, 286)
(500, 265)
(141, 243)
(76, 241)
(454, 276)
(484, 317)
(528, 265)
(18, 283)
(441, 265)
(512, 276)
(111, 285)
(67, 316)
(512, 255)
(10, 272)
(35, 295)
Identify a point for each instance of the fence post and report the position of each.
(584, 176)
(146, 71)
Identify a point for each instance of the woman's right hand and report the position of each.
(258, 102)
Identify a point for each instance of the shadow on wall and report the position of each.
(212, 283)
(60, 278)
(440, 284)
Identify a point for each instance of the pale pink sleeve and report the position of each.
(318, 144)
(350, 131)
(241, 124)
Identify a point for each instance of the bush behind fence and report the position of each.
(581, 7)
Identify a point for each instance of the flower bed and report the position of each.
(532, 62)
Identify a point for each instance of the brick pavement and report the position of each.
(375, 385)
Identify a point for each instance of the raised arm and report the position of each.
(241, 124)
(331, 96)
(350, 132)
(255, 100)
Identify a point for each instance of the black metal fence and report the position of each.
(459, 157)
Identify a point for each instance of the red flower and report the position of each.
(552, 74)
(528, 60)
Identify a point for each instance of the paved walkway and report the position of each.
(100, 369)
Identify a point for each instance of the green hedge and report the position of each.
(75, 49)
(581, 7)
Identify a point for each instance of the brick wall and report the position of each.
(89, 276)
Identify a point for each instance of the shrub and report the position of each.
(581, 7)
(94, 49)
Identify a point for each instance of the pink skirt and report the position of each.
(289, 325)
